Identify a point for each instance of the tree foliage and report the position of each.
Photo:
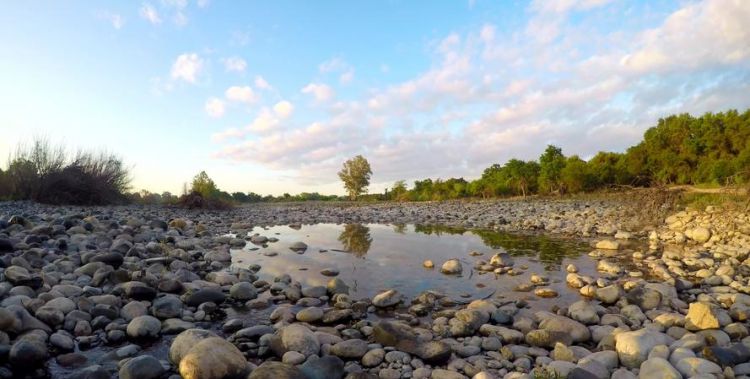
(356, 174)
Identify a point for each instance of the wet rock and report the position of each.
(144, 327)
(276, 370)
(298, 246)
(28, 353)
(337, 286)
(350, 349)
(205, 295)
(186, 340)
(330, 271)
(451, 267)
(608, 245)
(428, 264)
(212, 358)
(502, 260)
(167, 306)
(387, 298)
(609, 294)
(323, 368)
(243, 291)
(300, 339)
(142, 367)
(310, 314)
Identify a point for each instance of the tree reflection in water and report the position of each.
(550, 251)
(356, 239)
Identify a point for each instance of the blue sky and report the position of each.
(272, 97)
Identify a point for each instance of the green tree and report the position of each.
(204, 185)
(551, 163)
(356, 174)
(575, 175)
(522, 175)
(399, 191)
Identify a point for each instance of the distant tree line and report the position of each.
(710, 149)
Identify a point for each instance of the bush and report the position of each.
(50, 175)
(195, 200)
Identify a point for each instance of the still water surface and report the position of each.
(375, 257)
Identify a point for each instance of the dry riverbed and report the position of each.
(483, 289)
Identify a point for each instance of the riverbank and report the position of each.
(142, 292)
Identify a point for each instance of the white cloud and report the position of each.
(215, 107)
(203, 3)
(261, 83)
(178, 8)
(283, 109)
(187, 67)
(338, 65)
(490, 94)
(243, 94)
(116, 20)
(264, 122)
(321, 92)
(150, 14)
(235, 64)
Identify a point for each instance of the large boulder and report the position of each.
(633, 347)
(298, 338)
(213, 358)
(703, 315)
(185, 341)
(400, 336)
(555, 323)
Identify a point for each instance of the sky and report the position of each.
(272, 97)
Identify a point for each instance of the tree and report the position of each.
(204, 185)
(356, 174)
(399, 191)
(522, 175)
(575, 175)
(551, 164)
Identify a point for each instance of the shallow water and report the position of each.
(375, 257)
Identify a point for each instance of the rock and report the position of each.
(28, 353)
(243, 291)
(141, 367)
(91, 372)
(658, 368)
(609, 294)
(386, 299)
(727, 356)
(439, 373)
(451, 267)
(556, 323)
(298, 338)
(633, 347)
(5, 246)
(699, 234)
(276, 370)
(704, 315)
(336, 286)
(185, 341)
(293, 358)
(400, 335)
(502, 260)
(168, 306)
(608, 245)
(428, 264)
(144, 327)
(350, 349)
(373, 357)
(113, 259)
(310, 314)
(645, 298)
(547, 338)
(323, 368)
(138, 290)
(205, 295)
(298, 246)
(694, 366)
(329, 271)
(583, 312)
(545, 292)
(213, 358)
